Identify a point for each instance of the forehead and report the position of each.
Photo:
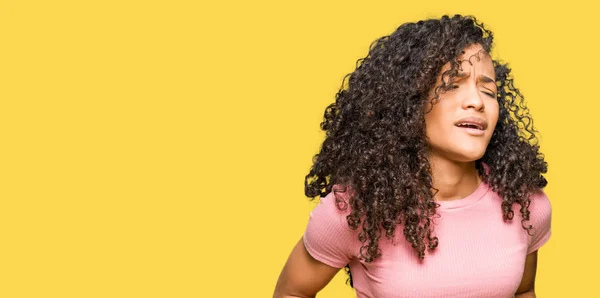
(475, 56)
(474, 50)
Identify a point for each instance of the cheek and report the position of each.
(431, 118)
(492, 113)
(435, 122)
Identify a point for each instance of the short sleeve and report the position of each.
(540, 217)
(327, 237)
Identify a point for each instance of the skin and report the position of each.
(452, 155)
(302, 275)
(452, 151)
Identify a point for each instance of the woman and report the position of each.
(428, 152)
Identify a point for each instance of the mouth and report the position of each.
(469, 125)
(473, 125)
(472, 122)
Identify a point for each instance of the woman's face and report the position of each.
(460, 124)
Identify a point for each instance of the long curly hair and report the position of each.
(375, 139)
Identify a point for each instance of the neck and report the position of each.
(453, 180)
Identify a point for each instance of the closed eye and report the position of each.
(492, 95)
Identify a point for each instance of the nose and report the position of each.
(472, 99)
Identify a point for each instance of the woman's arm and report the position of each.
(526, 288)
(302, 275)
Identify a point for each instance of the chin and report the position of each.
(468, 158)
(469, 155)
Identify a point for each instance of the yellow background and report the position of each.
(158, 148)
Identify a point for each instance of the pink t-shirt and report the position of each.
(479, 254)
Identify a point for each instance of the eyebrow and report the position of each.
(482, 78)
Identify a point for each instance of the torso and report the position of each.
(479, 255)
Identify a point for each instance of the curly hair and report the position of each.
(375, 139)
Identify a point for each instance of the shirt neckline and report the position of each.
(471, 199)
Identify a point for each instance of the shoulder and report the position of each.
(540, 218)
(333, 208)
(540, 208)
(540, 201)
(327, 237)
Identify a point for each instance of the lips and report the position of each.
(472, 123)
